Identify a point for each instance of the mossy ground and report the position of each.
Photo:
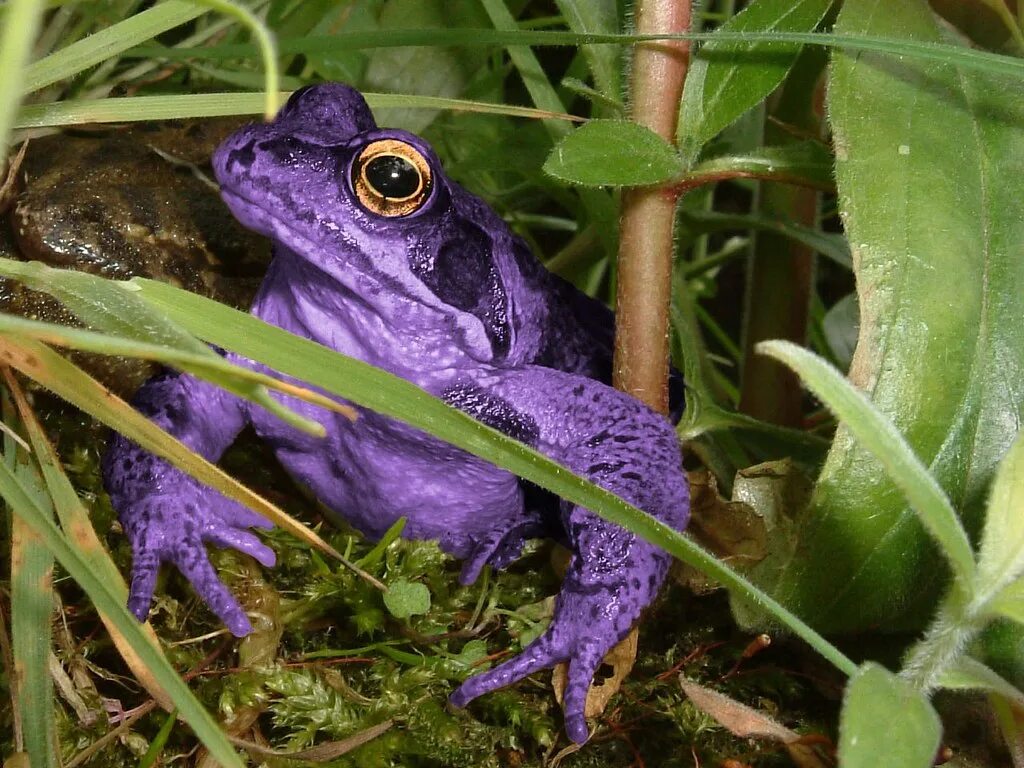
(328, 660)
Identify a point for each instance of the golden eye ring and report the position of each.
(391, 178)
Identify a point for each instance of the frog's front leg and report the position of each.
(622, 446)
(169, 516)
(502, 547)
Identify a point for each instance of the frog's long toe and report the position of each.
(145, 569)
(501, 548)
(541, 653)
(195, 565)
(551, 648)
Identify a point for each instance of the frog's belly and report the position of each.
(375, 470)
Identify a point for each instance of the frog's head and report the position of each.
(373, 208)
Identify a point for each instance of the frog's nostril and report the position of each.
(243, 156)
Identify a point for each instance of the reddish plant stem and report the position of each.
(648, 214)
(780, 278)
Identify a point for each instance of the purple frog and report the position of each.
(380, 256)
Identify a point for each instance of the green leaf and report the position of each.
(885, 721)
(1009, 602)
(426, 70)
(727, 79)
(614, 153)
(840, 325)
(407, 598)
(879, 437)
(1001, 556)
(941, 287)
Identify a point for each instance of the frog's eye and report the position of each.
(391, 178)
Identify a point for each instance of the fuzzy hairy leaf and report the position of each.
(882, 715)
(930, 173)
(613, 153)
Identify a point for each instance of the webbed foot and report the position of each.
(176, 527)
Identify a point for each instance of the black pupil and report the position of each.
(392, 176)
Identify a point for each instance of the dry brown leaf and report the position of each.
(748, 723)
(620, 658)
(321, 753)
(731, 530)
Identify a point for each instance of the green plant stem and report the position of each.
(267, 45)
(644, 287)
(954, 627)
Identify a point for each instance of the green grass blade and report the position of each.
(833, 246)
(534, 77)
(877, 434)
(993, 63)
(135, 108)
(31, 617)
(809, 164)
(159, 741)
(104, 305)
(105, 600)
(17, 35)
(108, 42)
(378, 390)
(65, 380)
(214, 369)
(75, 522)
(970, 674)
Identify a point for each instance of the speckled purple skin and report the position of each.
(447, 298)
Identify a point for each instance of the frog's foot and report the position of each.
(176, 528)
(502, 547)
(586, 626)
